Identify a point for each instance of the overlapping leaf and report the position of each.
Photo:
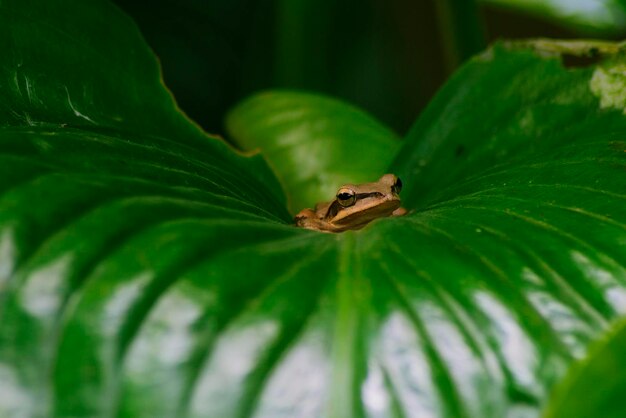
(147, 270)
(313, 143)
(595, 387)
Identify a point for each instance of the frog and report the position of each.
(354, 206)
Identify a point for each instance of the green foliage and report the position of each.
(595, 387)
(147, 270)
(313, 143)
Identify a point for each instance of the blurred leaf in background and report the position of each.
(313, 143)
(600, 18)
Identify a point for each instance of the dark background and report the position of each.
(387, 57)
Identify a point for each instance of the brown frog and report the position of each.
(354, 206)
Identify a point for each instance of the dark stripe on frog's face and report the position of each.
(332, 210)
(360, 196)
(335, 207)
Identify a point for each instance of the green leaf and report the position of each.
(313, 143)
(94, 155)
(147, 270)
(511, 108)
(596, 386)
(61, 72)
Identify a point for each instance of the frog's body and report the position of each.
(355, 206)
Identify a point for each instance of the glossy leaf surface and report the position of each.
(149, 271)
(313, 143)
(597, 386)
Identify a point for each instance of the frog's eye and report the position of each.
(397, 186)
(346, 197)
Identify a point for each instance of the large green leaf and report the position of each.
(512, 108)
(149, 271)
(75, 70)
